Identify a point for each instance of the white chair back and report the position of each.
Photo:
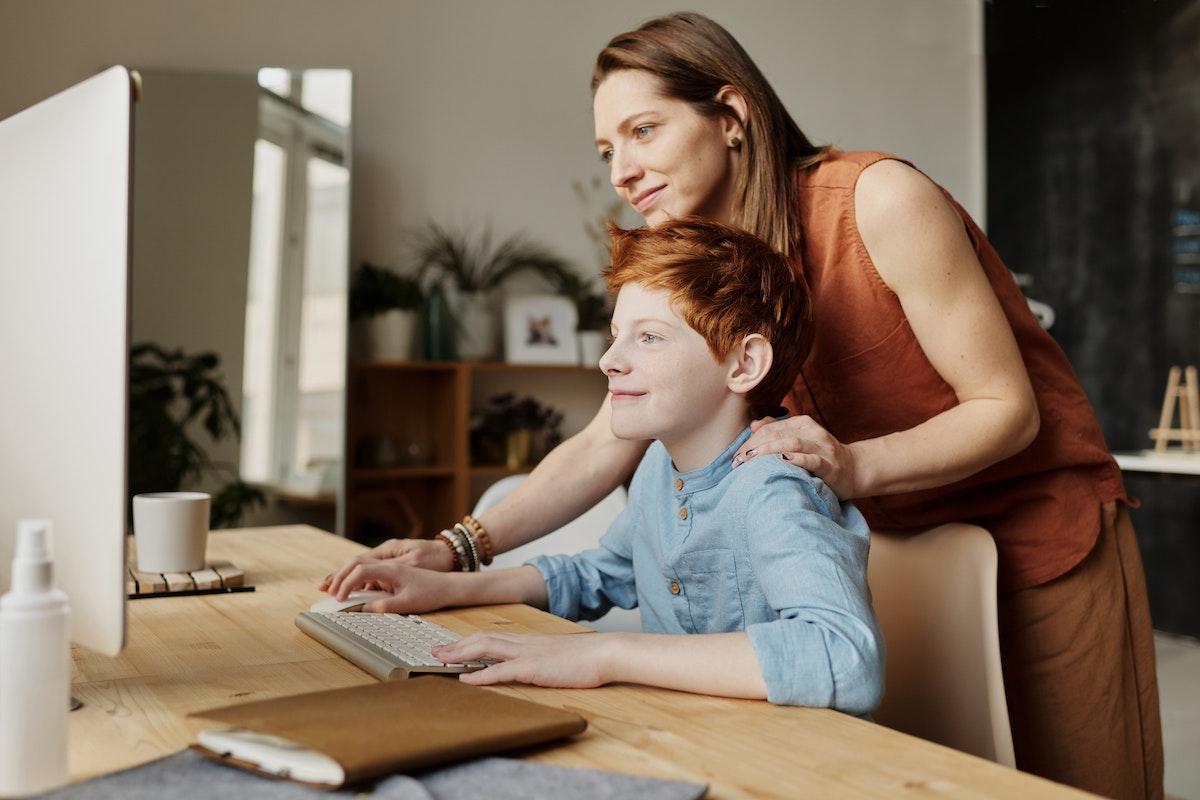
(935, 596)
(580, 534)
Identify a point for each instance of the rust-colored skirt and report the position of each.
(1078, 657)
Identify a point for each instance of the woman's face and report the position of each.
(665, 160)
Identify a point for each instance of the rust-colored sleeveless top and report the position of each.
(867, 376)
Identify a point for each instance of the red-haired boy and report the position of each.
(762, 564)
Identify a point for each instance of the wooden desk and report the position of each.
(191, 653)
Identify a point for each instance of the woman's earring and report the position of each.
(735, 142)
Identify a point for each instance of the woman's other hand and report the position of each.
(802, 442)
(424, 553)
(568, 661)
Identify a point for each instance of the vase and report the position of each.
(517, 447)
(592, 345)
(439, 333)
(477, 327)
(387, 335)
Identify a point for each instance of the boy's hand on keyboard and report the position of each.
(571, 661)
(413, 589)
(424, 553)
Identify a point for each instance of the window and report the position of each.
(296, 300)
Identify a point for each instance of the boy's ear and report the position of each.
(749, 363)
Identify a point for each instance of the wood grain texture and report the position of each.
(191, 653)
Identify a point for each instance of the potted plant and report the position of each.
(173, 397)
(475, 268)
(383, 312)
(514, 432)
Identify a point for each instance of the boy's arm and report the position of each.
(809, 555)
(711, 663)
(415, 590)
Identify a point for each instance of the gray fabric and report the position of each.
(187, 775)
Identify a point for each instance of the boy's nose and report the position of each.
(611, 362)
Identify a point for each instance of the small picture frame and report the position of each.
(539, 329)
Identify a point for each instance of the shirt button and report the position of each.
(678, 484)
(675, 587)
(683, 513)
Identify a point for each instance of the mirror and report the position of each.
(241, 196)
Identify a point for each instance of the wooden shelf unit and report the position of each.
(429, 404)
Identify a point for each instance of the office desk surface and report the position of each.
(190, 653)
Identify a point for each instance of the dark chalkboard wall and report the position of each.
(1093, 189)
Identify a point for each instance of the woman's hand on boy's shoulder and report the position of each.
(802, 442)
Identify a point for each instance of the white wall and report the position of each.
(473, 112)
(193, 180)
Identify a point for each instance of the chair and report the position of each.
(935, 596)
(580, 534)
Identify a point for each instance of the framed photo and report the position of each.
(539, 329)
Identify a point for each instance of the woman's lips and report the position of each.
(646, 199)
(622, 396)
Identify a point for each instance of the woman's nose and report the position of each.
(624, 169)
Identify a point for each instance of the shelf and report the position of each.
(400, 473)
(498, 471)
(383, 364)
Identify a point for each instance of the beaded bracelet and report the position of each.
(460, 549)
(481, 537)
(469, 541)
(445, 538)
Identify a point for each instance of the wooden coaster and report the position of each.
(216, 578)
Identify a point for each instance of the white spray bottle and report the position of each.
(35, 669)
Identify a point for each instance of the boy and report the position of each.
(761, 562)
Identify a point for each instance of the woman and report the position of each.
(930, 393)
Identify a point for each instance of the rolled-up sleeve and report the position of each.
(586, 585)
(825, 649)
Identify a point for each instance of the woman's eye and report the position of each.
(642, 131)
(606, 156)
(650, 338)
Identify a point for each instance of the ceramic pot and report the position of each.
(592, 345)
(387, 335)
(477, 327)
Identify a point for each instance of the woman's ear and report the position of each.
(734, 99)
(749, 363)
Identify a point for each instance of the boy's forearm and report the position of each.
(522, 584)
(711, 663)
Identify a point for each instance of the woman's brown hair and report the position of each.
(693, 57)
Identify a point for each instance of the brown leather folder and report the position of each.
(397, 726)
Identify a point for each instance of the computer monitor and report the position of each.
(64, 341)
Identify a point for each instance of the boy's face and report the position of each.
(664, 381)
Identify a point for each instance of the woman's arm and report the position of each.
(572, 478)
(712, 663)
(922, 252)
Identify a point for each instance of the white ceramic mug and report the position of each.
(171, 529)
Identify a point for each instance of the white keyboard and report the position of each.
(388, 646)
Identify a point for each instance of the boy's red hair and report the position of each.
(726, 284)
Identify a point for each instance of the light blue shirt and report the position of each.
(766, 548)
